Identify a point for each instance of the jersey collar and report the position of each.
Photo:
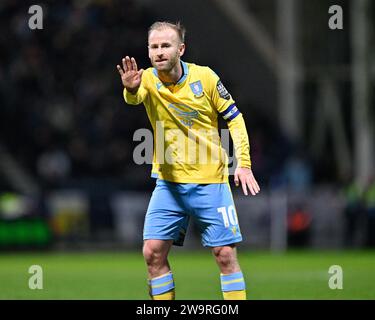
(185, 71)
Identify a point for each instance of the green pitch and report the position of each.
(295, 275)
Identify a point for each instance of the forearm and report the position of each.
(135, 97)
(238, 132)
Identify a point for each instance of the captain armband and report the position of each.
(230, 113)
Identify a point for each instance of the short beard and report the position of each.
(168, 66)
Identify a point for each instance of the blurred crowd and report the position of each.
(62, 111)
(359, 213)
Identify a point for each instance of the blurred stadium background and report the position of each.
(73, 198)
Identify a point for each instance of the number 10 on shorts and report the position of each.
(229, 216)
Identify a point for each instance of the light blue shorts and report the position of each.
(210, 205)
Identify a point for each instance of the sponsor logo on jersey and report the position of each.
(185, 113)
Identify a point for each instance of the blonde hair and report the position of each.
(178, 27)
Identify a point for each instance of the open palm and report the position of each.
(131, 77)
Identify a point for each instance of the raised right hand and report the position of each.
(131, 77)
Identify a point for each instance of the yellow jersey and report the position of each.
(184, 118)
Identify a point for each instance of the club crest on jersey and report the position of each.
(185, 113)
(197, 88)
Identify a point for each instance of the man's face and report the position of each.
(164, 49)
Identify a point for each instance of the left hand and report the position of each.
(246, 177)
